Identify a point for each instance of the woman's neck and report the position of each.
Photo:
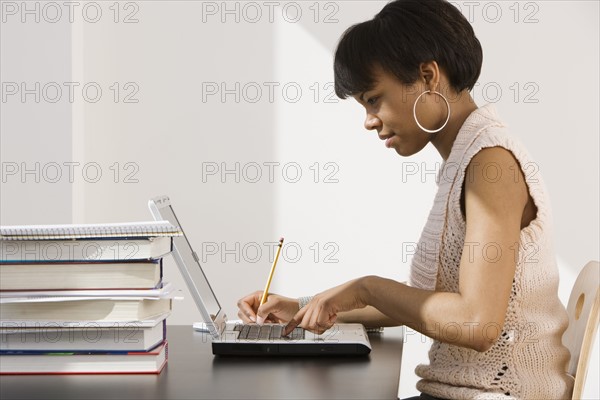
(460, 109)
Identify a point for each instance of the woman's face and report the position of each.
(389, 107)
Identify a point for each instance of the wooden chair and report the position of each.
(583, 311)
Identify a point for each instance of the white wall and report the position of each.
(349, 220)
(35, 134)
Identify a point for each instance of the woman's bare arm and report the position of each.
(474, 316)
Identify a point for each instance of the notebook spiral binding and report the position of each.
(78, 231)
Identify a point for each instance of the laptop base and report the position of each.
(289, 349)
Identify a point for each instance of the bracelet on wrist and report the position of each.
(303, 301)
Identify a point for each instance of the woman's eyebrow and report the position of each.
(358, 97)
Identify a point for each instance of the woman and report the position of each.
(484, 279)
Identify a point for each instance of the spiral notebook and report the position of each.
(89, 231)
(86, 242)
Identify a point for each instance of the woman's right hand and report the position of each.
(277, 309)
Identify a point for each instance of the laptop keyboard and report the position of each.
(267, 332)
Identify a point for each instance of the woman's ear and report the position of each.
(430, 75)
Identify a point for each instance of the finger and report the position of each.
(266, 320)
(246, 306)
(320, 319)
(248, 312)
(244, 317)
(295, 321)
(333, 319)
(311, 320)
(272, 319)
(263, 313)
(253, 300)
(269, 308)
(290, 327)
(325, 321)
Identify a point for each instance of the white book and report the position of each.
(123, 309)
(139, 274)
(86, 306)
(129, 336)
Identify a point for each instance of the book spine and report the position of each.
(163, 347)
(153, 351)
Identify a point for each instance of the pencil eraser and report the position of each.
(280, 239)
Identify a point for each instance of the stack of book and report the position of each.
(79, 299)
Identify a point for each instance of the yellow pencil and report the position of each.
(266, 292)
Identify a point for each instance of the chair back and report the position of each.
(582, 309)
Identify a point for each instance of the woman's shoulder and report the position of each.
(491, 131)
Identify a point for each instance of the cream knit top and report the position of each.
(528, 361)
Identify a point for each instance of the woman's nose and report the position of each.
(372, 122)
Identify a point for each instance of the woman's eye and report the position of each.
(371, 101)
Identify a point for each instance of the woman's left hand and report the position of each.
(321, 312)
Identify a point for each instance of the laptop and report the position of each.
(236, 339)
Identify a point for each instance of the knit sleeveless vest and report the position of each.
(528, 361)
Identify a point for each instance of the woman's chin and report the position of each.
(405, 151)
(409, 148)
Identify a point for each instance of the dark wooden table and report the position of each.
(194, 373)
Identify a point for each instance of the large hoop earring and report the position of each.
(415, 112)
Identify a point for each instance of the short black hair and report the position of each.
(404, 34)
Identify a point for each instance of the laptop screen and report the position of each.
(192, 263)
